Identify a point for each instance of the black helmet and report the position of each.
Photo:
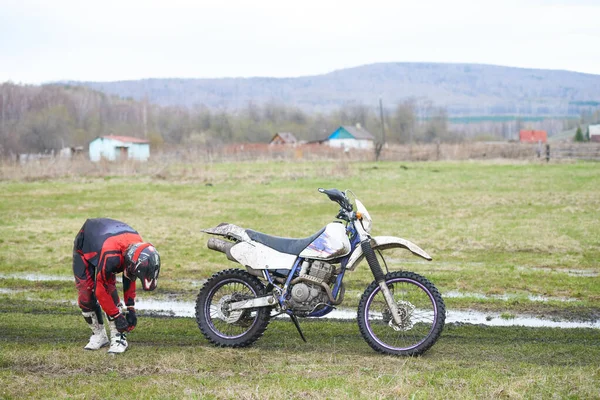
(143, 262)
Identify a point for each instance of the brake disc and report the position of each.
(223, 311)
(405, 311)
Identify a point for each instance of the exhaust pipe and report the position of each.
(222, 246)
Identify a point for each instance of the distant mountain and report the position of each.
(464, 89)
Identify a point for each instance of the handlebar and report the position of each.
(339, 197)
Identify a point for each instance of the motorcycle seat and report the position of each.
(283, 245)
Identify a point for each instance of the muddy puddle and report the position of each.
(582, 273)
(37, 277)
(505, 297)
(9, 291)
(497, 319)
(45, 277)
(167, 307)
(187, 309)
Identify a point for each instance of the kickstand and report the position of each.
(295, 320)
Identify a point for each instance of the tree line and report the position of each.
(49, 117)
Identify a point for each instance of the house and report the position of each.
(594, 133)
(115, 148)
(70, 152)
(284, 138)
(532, 136)
(354, 137)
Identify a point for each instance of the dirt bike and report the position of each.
(400, 312)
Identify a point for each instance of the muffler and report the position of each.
(222, 246)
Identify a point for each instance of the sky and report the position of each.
(45, 41)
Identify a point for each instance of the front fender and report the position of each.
(386, 242)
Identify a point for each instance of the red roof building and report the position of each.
(118, 148)
(127, 139)
(531, 136)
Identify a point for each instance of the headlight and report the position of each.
(365, 218)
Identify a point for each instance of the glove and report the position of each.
(131, 319)
(121, 323)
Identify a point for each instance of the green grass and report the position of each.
(41, 356)
(493, 228)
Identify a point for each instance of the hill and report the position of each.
(463, 89)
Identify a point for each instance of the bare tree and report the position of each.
(405, 121)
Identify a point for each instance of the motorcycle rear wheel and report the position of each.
(421, 310)
(226, 328)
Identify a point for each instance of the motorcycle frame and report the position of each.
(354, 238)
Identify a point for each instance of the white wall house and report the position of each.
(594, 131)
(117, 148)
(351, 137)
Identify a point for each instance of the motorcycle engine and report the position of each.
(309, 293)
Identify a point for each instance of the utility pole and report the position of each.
(4, 96)
(381, 116)
(145, 115)
(379, 146)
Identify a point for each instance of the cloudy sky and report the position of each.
(42, 41)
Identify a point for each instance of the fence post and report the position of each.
(547, 152)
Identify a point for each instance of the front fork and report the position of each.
(380, 279)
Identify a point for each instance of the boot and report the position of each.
(118, 340)
(98, 338)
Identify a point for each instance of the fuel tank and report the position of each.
(332, 243)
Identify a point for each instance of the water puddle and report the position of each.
(581, 273)
(531, 297)
(188, 309)
(44, 277)
(496, 319)
(37, 277)
(167, 307)
(10, 291)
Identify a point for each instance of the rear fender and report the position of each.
(242, 249)
(383, 243)
(258, 256)
(230, 231)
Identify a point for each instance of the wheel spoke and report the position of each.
(214, 316)
(223, 295)
(420, 309)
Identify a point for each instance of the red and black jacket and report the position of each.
(101, 243)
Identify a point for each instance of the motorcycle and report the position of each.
(399, 313)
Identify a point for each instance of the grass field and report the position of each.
(504, 230)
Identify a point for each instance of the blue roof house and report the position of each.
(351, 137)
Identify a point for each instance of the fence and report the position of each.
(194, 162)
(580, 151)
(415, 152)
(314, 152)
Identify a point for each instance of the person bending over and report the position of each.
(104, 248)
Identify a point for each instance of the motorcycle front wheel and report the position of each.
(421, 309)
(222, 326)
